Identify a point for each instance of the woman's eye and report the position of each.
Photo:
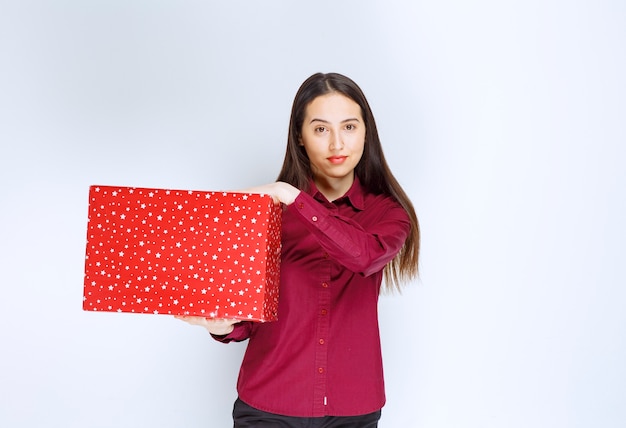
(320, 129)
(350, 127)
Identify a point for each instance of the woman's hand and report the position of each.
(216, 326)
(280, 191)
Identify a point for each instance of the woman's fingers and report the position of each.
(217, 326)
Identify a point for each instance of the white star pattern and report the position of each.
(145, 248)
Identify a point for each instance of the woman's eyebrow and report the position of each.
(351, 119)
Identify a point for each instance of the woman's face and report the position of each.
(333, 135)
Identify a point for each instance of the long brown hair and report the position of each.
(372, 170)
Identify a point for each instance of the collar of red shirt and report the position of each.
(354, 195)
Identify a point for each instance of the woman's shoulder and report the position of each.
(375, 199)
(384, 207)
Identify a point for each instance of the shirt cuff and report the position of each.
(241, 331)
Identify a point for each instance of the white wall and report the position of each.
(503, 120)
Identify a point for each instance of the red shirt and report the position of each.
(323, 355)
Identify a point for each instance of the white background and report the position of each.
(504, 121)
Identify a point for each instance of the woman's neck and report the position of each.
(333, 188)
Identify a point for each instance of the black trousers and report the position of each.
(245, 416)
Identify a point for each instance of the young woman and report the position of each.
(346, 224)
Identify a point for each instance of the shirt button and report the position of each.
(321, 341)
(325, 284)
(300, 205)
(324, 312)
(320, 370)
(314, 218)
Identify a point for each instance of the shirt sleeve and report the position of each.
(240, 332)
(361, 250)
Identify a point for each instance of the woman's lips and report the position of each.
(337, 159)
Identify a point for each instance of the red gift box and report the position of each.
(177, 252)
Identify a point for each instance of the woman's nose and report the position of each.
(336, 142)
